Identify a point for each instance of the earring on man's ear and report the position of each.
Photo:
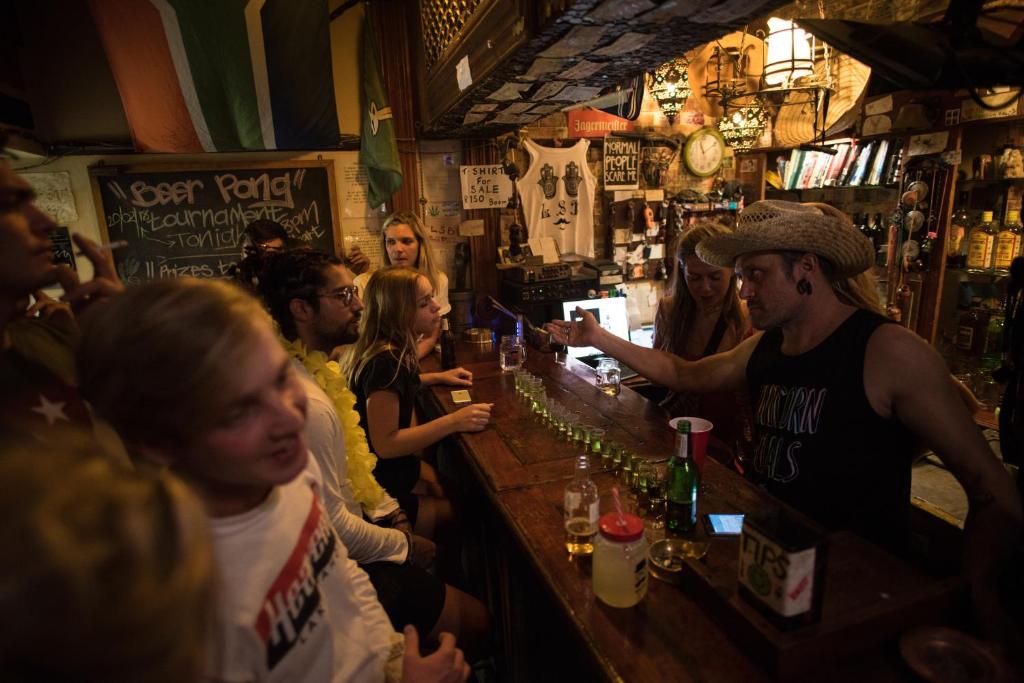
(803, 286)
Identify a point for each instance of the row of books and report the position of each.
(867, 163)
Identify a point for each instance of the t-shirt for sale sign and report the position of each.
(485, 187)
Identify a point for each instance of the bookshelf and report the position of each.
(866, 163)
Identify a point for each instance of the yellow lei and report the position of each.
(327, 375)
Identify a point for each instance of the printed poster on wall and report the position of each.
(485, 187)
(621, 164)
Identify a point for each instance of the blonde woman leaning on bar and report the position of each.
(384, 374)
(403, 240)
(701, 316)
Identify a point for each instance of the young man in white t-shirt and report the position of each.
(193, 377)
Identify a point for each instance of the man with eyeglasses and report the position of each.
(314, 301)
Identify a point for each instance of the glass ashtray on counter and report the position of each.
(668, 556)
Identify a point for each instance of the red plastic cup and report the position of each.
(700, 433)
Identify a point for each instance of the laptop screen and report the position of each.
(610, 314)
(643, 336)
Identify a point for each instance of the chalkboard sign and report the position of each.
(63, 249)
(189, 220)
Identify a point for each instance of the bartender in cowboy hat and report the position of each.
(839, 393)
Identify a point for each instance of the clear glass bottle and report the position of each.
(581, 510)
(981, 244)
(1008, 242)
(620, 560)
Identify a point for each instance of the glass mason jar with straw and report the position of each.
(620, 558)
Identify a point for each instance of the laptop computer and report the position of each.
(611, 315)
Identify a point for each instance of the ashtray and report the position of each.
(668, 556)
(944, 655)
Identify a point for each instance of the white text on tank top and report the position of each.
(558, 196)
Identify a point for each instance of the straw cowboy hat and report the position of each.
(774, 225)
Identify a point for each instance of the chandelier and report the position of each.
(789, 53)
(796, 70)
(742, 127)
(670, 86)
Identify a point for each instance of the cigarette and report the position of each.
(108, 247)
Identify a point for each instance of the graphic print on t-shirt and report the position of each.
(292, 607)
(558, 196)
(783, 414)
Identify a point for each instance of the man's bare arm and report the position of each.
(721, 372)
(904, 377)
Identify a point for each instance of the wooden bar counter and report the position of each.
(696, 629)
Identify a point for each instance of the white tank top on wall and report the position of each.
(558, 196)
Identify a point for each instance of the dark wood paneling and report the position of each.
(484, 249)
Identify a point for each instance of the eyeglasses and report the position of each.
(270, 248)
(344, 295)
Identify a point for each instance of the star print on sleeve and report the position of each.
(51, 410)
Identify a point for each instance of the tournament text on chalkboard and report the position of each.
(189, 220)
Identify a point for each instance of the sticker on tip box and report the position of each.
(461, 396)
(782, 580)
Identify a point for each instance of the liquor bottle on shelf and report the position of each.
(992, 351)
(1008, 242)
(581, 510)
(957, 241)
(971, 328)
(927, 248)
(882, 242)
(981, 244)
(683, 483)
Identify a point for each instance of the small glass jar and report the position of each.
(620, 560)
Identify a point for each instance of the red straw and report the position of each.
(618, 505)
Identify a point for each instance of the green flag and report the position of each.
(378, 150)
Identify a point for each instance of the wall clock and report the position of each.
(704, 152)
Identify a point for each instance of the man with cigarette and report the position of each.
(36, 369)
(840, 394)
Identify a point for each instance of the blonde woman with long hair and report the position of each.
(702, 316)
(403, 241)
(384, 373)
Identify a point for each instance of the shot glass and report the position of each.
(579, 435)
(656, 498)
(597, 436)
(608, 451)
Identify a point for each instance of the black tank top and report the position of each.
(820, 446)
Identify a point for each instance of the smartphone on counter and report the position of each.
(723, 525)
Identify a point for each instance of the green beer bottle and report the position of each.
(683, 483)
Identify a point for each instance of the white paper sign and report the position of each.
(53, 195)
(462, 74)
(485, 187)
(472, 228)
(929, 143)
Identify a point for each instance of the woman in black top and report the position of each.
(384, 374)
